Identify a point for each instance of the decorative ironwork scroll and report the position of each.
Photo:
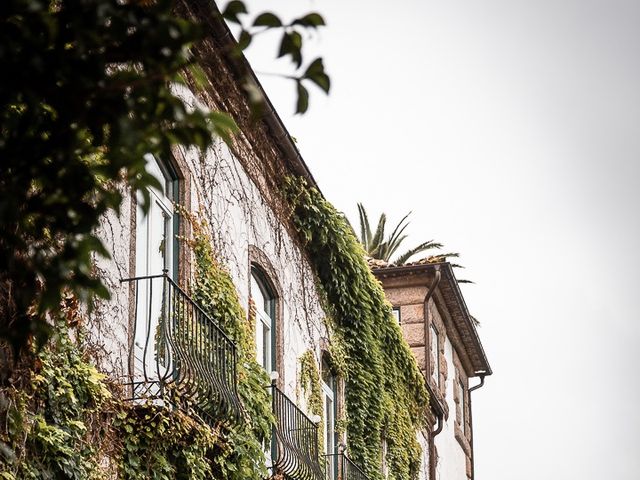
(179, 353)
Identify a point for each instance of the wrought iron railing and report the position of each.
(179, 353)
(295, 441)
(341, 467)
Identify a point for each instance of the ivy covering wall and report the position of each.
(386, 397)
(61, 418)
(65, 420)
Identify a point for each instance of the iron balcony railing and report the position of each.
(341, 467)
(294, 446)
(178, 351)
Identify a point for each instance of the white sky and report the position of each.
(511, 129)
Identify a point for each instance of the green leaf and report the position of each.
(267, 19)
(198, 75)
(244, 40)
(233, 9)
(291, 44)
(315, 72)
(310, 20)
(303, 98)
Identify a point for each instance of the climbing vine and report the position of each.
(61, 418)
(385, 392)
(310, 383)
(215, 292)
(52, 407)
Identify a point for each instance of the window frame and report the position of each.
(268, 318)
(398, 317)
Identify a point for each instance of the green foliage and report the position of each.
(61, 421)
(214, 291)
(379, 247)
(162, 444)
(87, 97)
(385, 390)
(50, 419)
(291, 45)
(310, 383)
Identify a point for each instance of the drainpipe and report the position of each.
(439, 412)
(473, 454)
(432, 446)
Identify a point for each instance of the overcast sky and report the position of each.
(511, 129)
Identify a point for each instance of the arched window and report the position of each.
(265, 303)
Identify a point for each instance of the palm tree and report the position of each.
(381, 248)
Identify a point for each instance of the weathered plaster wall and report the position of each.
(423, 440)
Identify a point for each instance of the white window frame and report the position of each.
(265, 321)
(329, 427)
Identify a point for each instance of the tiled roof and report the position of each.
(376, 263)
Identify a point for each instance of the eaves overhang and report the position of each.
(455, 304)
(210, 16)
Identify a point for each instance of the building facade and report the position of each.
(435, 321)
(160, 343)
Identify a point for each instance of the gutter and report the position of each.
(474, 330)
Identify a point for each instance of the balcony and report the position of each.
(295, 441)
(340, 467)
(179, 355)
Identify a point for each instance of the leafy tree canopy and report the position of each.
(85, 95)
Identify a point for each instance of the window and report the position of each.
(265, 304)
(395, 311)
(155, 253)
(435, 355)
(156, 242)
(329, 407)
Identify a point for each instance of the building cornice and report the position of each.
(455, 304)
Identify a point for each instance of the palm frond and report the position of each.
(402, 259)
(400, 227)
(394, 245)
(365, 228)
(379, 235)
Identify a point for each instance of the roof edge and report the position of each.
(240, 67)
